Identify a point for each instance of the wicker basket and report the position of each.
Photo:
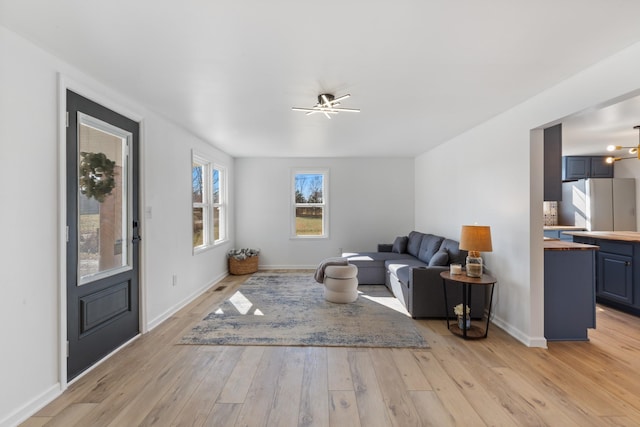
(243, 266)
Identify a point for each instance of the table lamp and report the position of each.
(475, 239)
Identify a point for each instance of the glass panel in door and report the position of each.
(103, 232)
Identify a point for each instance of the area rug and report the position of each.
(290, 310)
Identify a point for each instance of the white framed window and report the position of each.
(209, 207)
(310, 208)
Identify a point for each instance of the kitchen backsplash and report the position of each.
(550, 213)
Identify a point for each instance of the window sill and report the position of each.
(308, 237)
(202, 249)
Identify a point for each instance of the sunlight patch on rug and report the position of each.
(290, 310)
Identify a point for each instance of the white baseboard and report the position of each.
(176, 307)
(27, 410)
(519, 335)
(56, 390)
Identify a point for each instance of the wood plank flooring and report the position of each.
(492, 382)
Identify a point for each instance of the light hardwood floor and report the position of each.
(496, 381)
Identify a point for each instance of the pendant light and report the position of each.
(632, 150)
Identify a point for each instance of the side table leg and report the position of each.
(486, 328)
(465, 291)
(446, 304)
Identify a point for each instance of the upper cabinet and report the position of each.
(582, 167)
(553, 163)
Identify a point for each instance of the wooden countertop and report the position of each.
(625, 236)
(562, 245)
(563, 227)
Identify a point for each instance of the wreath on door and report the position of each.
(97, 174)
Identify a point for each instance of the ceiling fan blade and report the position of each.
(326, 110)
(341, 97)
(347, 110)
(317, 110)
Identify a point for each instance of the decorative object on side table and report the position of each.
(455, 268)
(243, 261)
(457, 310)
(475, 239)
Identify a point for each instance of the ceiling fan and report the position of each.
(328, 105)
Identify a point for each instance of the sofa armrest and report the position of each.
(427, 274)
(427, 294)
(385, 247)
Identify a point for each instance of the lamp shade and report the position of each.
(476, 238)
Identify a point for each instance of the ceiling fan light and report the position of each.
(326, 100)
(327, 104)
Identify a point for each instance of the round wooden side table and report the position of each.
(466, 282)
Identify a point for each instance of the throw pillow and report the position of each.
(440, 258)
(400, 244)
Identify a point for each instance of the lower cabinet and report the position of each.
(569, 294)
(615, 277)
(617, 273)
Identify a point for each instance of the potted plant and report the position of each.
(243, 261)
(457, 310)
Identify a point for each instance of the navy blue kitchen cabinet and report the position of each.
(617, 273)
(583, 167)
(569, 291)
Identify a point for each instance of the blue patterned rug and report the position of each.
(290, 310)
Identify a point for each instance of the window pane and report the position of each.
(216, 186)
(309, 221)
(101, 202)
(216, 223)
(198, 236)
(196, 179)
(309, 188)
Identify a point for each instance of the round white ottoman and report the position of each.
(341, 283)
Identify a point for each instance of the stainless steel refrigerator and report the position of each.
(599, 204)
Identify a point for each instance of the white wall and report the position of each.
(371, 201)
(28, 221)
(31, 230)
(169, 231)
(494, 177)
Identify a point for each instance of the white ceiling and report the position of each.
(421, 71)
(590, 132)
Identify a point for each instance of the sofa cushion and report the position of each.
(456, 256)
(401, 267)
(440, 258)
(400, 245)
(372, 259)
(429, 246)
(403, 273)
(413, 243)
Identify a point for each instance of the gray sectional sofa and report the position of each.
(410, 268)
